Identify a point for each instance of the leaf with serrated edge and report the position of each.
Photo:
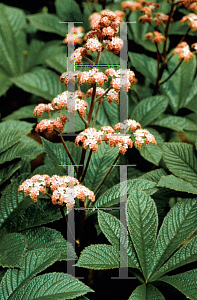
(99, 257)
(12, 249)
(177, 184)
(184, 282)
(182, 222)
(142, 224)
(185, 255)
(181, 161)
(148, 292)
(52, 286)
(116, 234)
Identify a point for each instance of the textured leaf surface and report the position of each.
(116, 234)
(72, 11)
(177, 87)
(142, 224)
(100, 163)
(41, 82)
(7, 171)
(58, 62)
(146, 292)
(181, 161)
(12, 249)
(43, 237)
(154, 175)
(149, 109)
(176, 123)
(34, 262)
(184, 282)
(22, 113)
(48, 22)
(99, 257)
(185, 255)
(5, 82)
(12, 131)
(150, 152)
(52, 286)
(182, 222)
(112, 196)
(177, 184)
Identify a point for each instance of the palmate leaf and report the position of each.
(142, 224)
(41, 82)
(12, 250)
(182, 222)
(177, 184)
(12, 131)
(100, 163)
(116, 234)
(112, 196)
(99, 257)
(149, 109)
(185, 255)
(43, 237)
(184, 282)
(146, 292)
(52, 286)
(181, 161)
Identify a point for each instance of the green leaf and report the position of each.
(33, 263)
(146, 291)
(8, 170)
(68, 10)
(41, 82)
(27, 147)
(12, 40)
(149, 109)
(142, 224)
(12, 249)
(58, 62)
(176, 123)
(52, 286)
(108, 114)
(12, 131)
(99, 257)
(48, 22)
(154, 175)
(184, 282)
(182, 222)
(178, 87)
(112, 196)
(190, 101)
(150, 152)
(100, 163)
(116, 233)
(146, 65)
(10, 200)
(21, 113)
(43, 237)
(177, 184)
(5, 83)
(181, 161)
(185, 255)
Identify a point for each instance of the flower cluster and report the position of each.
(194, 46)
(52, 124)
(92, 76)
(69, 76)
(104, 28)
(123, 78)
(191, 19)
(158, 37)
(64, 189)
(184, 52)
(75, 35)
(40, 108)
(92, 138)
(143, 136)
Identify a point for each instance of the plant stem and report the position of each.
(72, 161)
(87, 163)
(98, 187)
(96, 114)
(172, 72)
(89, 60)
(65, 218)
(81, 163)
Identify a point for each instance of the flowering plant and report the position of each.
(154, 233)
